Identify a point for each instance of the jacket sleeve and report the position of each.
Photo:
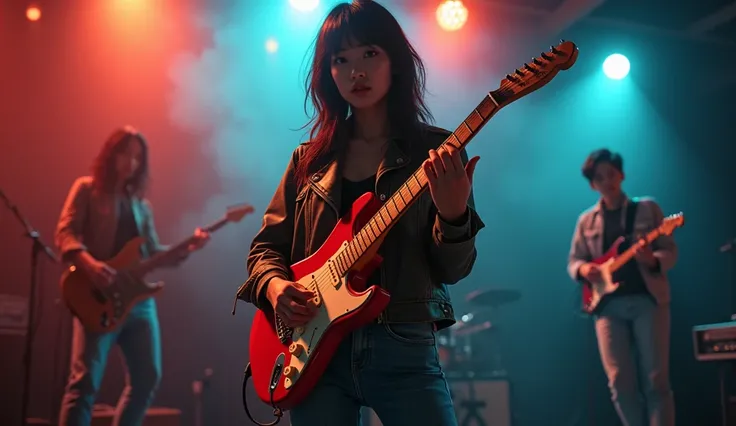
(664, 247)
(270, 251)
(579, 253)
(154, 244)
(452, 247)
(70, 227)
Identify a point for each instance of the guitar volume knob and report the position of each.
(290, 372)
(296, 349)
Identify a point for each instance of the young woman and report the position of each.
(101, 214)
(366, 83)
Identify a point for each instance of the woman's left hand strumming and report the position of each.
(449, 181)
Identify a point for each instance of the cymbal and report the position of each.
(493, 297)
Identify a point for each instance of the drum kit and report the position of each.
(468, 347)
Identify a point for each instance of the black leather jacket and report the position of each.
(421, 253)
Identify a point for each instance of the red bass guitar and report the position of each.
(594, 293)
(286, 363)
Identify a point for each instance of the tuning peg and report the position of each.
(546, 56)
(537, 61)
(562, 40)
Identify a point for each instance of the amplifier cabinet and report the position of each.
(715, 342)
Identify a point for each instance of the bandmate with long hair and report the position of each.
(101, 214)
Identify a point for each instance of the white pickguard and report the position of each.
(335, 302)
(605, 285)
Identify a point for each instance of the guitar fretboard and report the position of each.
(412, 189)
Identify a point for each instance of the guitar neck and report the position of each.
(627, 255)
(394, 208)
(162, 258)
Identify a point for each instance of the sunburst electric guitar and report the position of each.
(102, 309)
(287, 362)
(593, 293)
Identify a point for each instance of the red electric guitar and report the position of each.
(595, 292)
(286, 363)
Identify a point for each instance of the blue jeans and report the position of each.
(139, 338)
(633, 331)
(392, 368)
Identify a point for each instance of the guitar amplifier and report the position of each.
(477, 401)
(715, 342)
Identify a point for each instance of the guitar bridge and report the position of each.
(282, 330)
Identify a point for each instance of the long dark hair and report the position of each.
(104, 169)
(366, 23)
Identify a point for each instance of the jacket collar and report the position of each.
(327, 181)
(599, 205)
(394, 158)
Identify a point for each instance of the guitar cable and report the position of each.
(277, 412)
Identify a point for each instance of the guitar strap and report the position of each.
(630, 217)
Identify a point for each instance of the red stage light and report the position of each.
(33, 13)
(452, 15)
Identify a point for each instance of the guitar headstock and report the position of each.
(237, 212)
(671, 222)
(537, 73)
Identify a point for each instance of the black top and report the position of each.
(127, 228)
(630, 278)
(351, 191)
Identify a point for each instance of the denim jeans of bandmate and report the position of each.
(392, 368)
(633, 331)
(139, 338)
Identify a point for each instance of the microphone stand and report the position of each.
(37, 247)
